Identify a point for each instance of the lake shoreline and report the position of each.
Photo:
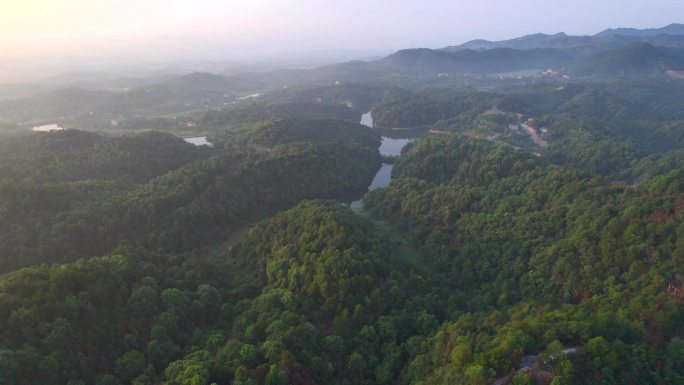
(389, 147)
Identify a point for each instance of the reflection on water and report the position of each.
(199, 141)
(381, 179)
(367, 119)
(388, 147)
(252, 96)
(47, 127)
(392, 147)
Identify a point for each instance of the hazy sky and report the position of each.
(231, 29)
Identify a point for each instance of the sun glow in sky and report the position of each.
(228, 28)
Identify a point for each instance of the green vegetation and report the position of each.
(271, 132)
(70, 155)
(428, 107)
(467, 61)
(540, 258)
(473, 259)
(534, 236)
(636, 60)
(238, 116)
(308, 296)
(46, 176)
(620, 130)
(82, 216)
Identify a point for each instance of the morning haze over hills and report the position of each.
(605, 53)
(182, 202)
(616, 52)
(613, 54)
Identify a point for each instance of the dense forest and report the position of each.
(621, 130)
(71, 204)
(531, 232)
(476, 260)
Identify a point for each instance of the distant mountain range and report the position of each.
(633, 60)
(613, 52)
(670, 36)
(478, 62)
(672, 29)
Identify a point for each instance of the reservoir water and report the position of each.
(381, 178)
(367, 119)
(392, 147)
(47, 127)
(388, 147)
(199, 141)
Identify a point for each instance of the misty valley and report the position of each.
(491, 213)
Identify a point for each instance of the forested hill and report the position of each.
(195, 202)
(248, 113)
(204, 201)
(531, 232)
(47, 176)
(476, 261)
(510, 233)
(668, 36)
(271, 132)
(478, 62)
(636, 59)
(71, 155)
(309, 297)
(671, 29)
(622, 130)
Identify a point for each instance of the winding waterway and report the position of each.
(388, 147)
